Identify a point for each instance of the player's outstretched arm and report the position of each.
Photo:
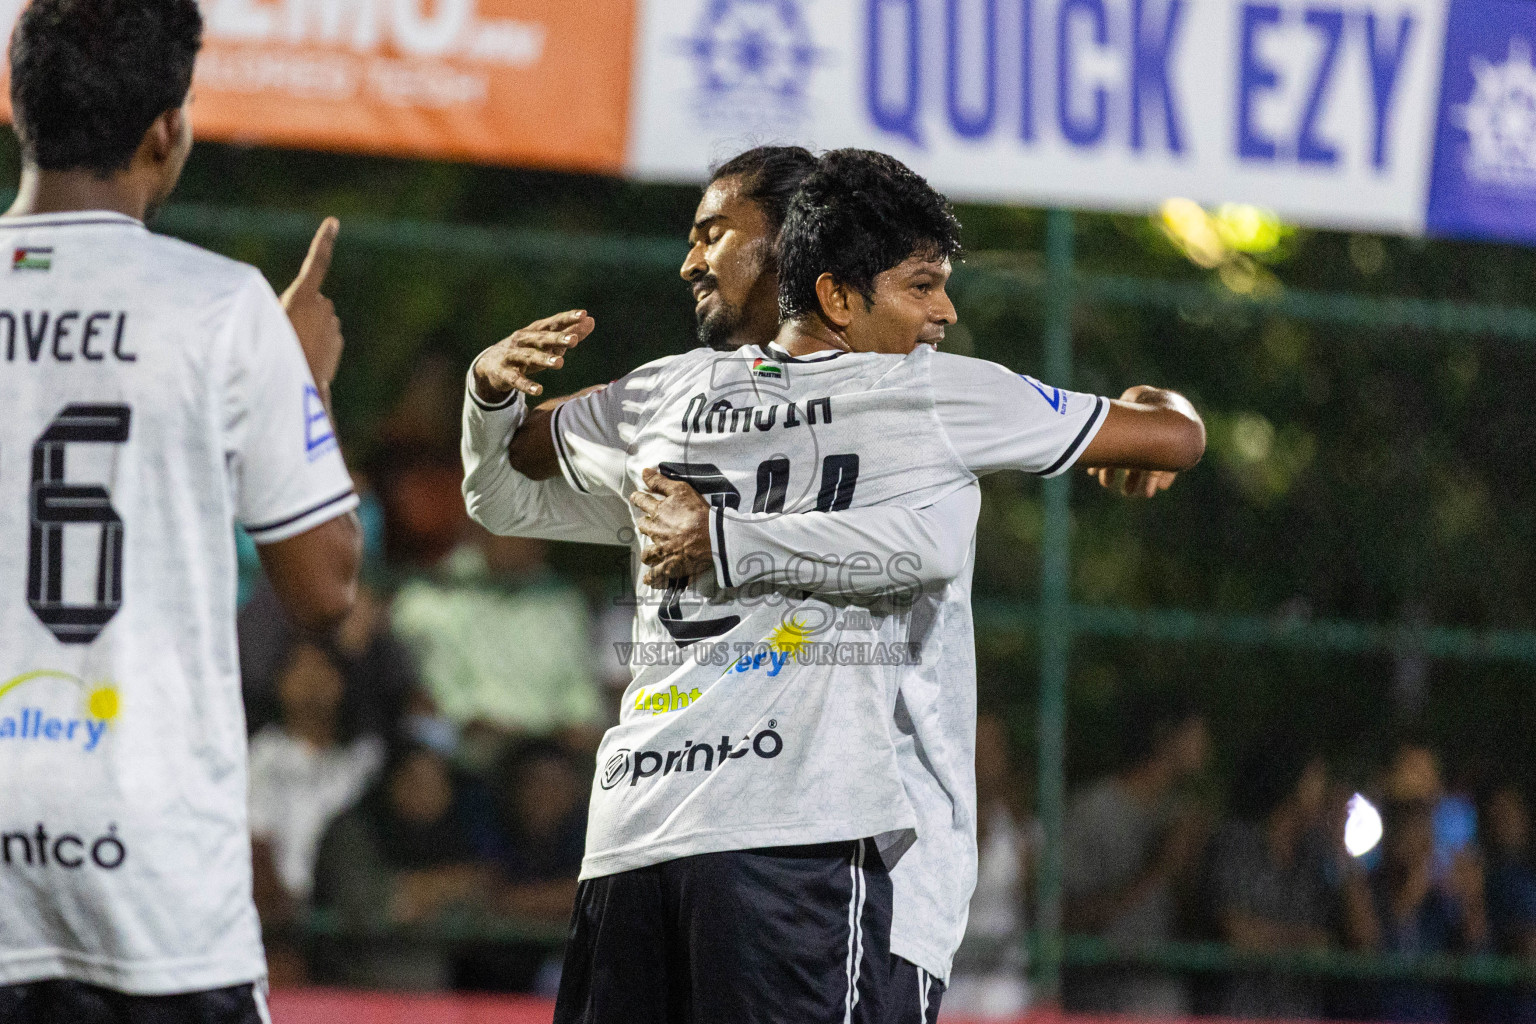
(1149, 436)
(855, 553)
(315, 573)
(504, 372)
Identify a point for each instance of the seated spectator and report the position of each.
(306, 769)
(1268, 884)
(380, 672)
(543, 803)
(989, 977)
(503, 645)
(1511, 895)
(535, 838)
(403, 856)
(1409, 906)
(1130, 849)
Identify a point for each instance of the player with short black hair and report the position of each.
(88, 78)
(156, 395)
(861, 213)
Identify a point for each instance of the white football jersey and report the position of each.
(155, 396)
(993, 419)
(865, 430)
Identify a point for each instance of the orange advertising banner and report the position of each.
(540, 83)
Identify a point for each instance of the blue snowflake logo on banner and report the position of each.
(754, 59)
(1500, 118)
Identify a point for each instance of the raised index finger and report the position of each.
(318, 263)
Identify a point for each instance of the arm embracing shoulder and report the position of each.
(863, 552)
(1148, 428)
(997, 419)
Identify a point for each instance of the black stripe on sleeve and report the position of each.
(725, 562)
(565, 457)
(1071, 452)
(505, 403)
(327, 503)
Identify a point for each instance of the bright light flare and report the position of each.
(1362, 827)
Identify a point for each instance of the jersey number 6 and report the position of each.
(55, 505)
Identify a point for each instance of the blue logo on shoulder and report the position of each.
(319, 438)
(1054, 397)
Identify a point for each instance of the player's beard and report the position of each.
(719, 327)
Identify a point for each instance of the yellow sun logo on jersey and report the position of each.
(790, 637)
(104, 703)
(38, 714)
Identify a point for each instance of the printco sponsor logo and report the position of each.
(636, 765)
(42, 848)
(56, 708)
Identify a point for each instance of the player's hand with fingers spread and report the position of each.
(676, 524)
(313, 315)
(509, 365)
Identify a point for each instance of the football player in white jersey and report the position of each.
(731, 269)
(155, 396)
(618, 423)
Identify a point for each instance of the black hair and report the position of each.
(89, 77)
(770, 177)
(1268, 774)
(1149, 721)
(860, 214)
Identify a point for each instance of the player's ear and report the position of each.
(835, 300)
(165, 133)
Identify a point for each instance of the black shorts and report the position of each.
(74, 1002)
(915, 994)
(789, 935)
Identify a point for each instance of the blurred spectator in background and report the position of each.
(536, 838)
(304, 771)
(379, 671)
(504, 646)
(416, 464)
(542, 800)
(1131, 845)
(1511, 896)
(614, 632)
(1268, 887)
(1416, 902)
(989, 978)
(403, 856)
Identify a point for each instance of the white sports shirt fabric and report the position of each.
(989, 414)
(155, 395)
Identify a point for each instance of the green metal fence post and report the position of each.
(1055, 632)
